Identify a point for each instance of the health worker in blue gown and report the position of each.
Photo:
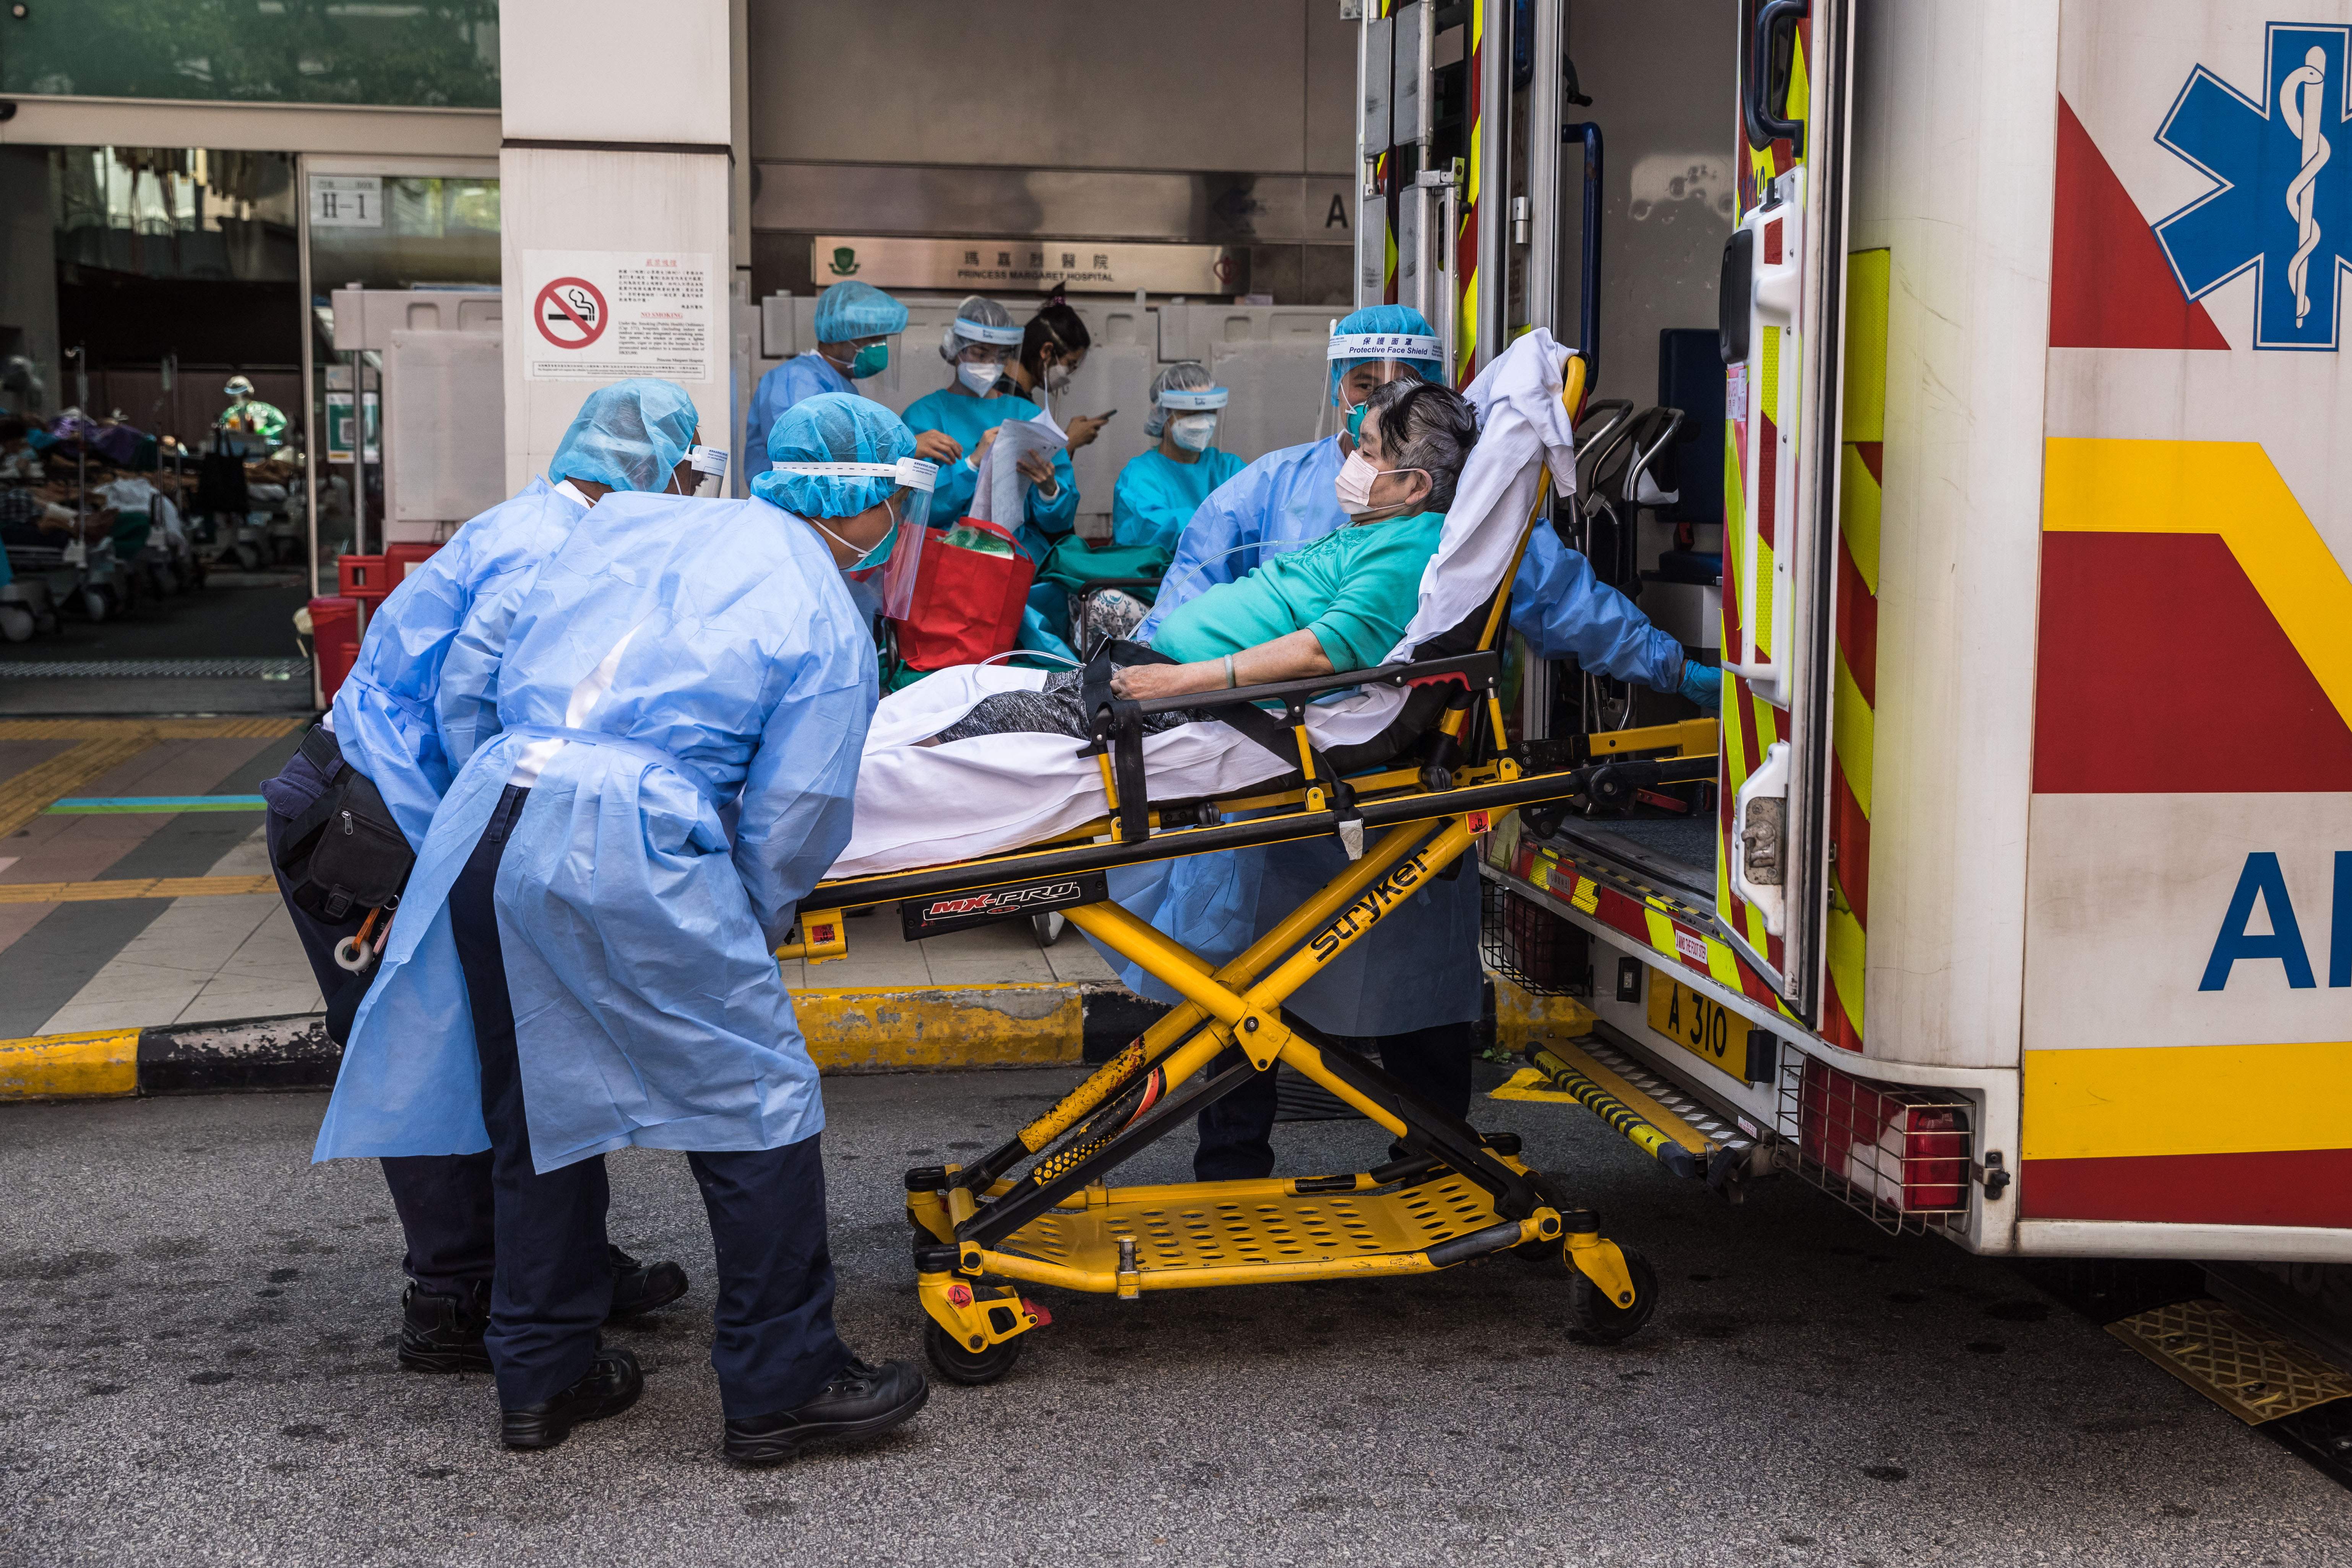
(421, 696)
(1412, 990)
(584, 960)
(855, 323)
(1161, 488)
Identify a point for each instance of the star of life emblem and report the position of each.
(2282, 202)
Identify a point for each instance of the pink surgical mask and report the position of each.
(1353, 485)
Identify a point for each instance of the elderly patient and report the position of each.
(1338, 604)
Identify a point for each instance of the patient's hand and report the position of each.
(1138, 681)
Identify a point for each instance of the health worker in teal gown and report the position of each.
(1159, 489)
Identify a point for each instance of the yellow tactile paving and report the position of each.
(149, 729)
(22, 797)
(134, 888)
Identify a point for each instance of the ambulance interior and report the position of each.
(1663, 81)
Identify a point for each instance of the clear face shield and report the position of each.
(1191, 416)
(1361, 362)
(889, 567)
(981, 353)
(708, 464)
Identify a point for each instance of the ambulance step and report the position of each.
(2235, 1361)
(1650, 1112)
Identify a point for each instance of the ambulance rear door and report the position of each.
(1783, 311)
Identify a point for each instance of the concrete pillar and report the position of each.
(616, 187)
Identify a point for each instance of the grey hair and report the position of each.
(977, 307)
(1427, 427)
(1184, 375)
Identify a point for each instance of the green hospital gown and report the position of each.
(1355, 589)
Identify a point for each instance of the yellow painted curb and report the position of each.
(78, 1066)
(892, 1028)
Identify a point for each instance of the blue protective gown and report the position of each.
(431, 654)
(716, 644)
(803, 375)
(1419, 968)
(1156, 496)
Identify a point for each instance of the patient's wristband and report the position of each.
(1229, 672)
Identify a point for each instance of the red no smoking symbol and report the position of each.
(570, 313)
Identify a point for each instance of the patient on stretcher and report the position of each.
(1336, 603)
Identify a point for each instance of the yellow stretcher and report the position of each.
(1037, 1210)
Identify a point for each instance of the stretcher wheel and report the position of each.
(93, 604)
(1049, 927)
(16, 623)
(1602, 1321)
(958, 1363)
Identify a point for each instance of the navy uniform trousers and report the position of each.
(442, 1200)
(774, 1346)
(1237, 1131)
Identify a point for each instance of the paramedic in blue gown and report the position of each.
(583, 960)
(421, 696)
(1410, 991)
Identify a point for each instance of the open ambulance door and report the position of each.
(1783, 314)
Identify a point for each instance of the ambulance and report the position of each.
(2021, 907)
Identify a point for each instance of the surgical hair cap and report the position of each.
(1385, 319)
(996, 328)
(833, 428)
(1184, 375)
(854, 309)
(630, 436)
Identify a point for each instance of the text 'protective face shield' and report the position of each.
(911, 509)
(1361, 362)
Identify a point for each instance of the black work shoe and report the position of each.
(611, 1385)
(862, 1401)
(641, 1287)
(443, 1333)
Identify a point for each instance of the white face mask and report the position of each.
(1353, 486)
(979, 377)
(1193, 432)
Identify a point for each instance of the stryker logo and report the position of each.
(1370, 907)
(2263, 879)
(993, 903)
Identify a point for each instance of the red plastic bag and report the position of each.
(967, 602)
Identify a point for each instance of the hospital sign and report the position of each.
(1028, 266)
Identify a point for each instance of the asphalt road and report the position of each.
(194, 1368)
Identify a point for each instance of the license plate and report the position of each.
(1703, 1027)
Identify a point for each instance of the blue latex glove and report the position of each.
(1702, 684)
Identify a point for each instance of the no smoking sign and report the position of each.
(571, 313)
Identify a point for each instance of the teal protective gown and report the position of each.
(1156, 496)
(967, 420)
(415, 704)
(681, 668)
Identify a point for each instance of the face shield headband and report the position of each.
(910, 511)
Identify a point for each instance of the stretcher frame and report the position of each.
(985, 1230)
